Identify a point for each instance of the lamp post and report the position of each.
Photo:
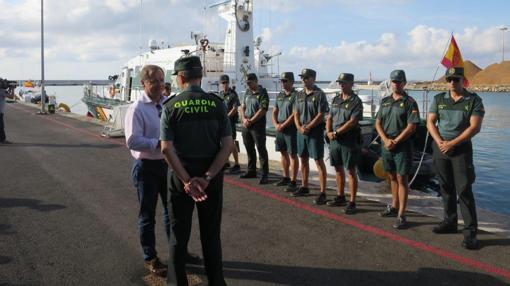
(43, 91)
(503, 29)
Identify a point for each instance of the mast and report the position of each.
(238, 58)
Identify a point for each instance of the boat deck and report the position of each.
(69, 217)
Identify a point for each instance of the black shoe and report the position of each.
(400, 223)
(445, 227)
(284, 181)
(337, 201)
(351, 208)
(248, 175)
(389, 212)
(193, 258)
(291, 187)
(5, 142)
(263, 180)
(471, 243)
(320, 199)
(236, 169)
(301, 192)
(226, 166)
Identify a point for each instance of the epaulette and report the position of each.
(385, 98)
(215, 95)
(471, 93)
(169, 98)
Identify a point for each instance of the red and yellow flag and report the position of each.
(453, 58)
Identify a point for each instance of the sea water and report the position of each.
(492, 185)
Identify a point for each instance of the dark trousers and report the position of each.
(150, 180)
(209, 218)
(456, 175)
(256, 136)
(2, 130)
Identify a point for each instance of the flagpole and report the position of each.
(443, 54)
(425, 106)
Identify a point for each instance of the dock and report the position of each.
(68, 216)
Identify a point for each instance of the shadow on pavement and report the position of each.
(247, 273)
(5, 229)
(48, 145)
(29, 203)
(4, 260)
(494, 242)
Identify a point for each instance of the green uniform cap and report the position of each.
(251, 76)
(187, 64)
(308, 73)
(398, 75)
(345, 78)
(224, 78)
(454, 72)
(287, 76)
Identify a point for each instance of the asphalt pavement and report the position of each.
(68, 216)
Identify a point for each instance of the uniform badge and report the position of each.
(451, 71)
(401, 105)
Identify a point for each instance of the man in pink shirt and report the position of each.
(149, 173)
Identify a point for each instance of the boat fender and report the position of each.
(378, 169)
(64, 107)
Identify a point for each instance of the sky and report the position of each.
(92, 39)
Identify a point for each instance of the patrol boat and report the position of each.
(236, 57)
(239, 55)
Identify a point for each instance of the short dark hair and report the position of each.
(189, 75)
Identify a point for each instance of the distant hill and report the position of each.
(493, 74)
(470, 70)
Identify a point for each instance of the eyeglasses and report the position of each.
(155, 81)
(304, 78)
(454, 79)
(224, 82)
(396, 82)
(284, 80)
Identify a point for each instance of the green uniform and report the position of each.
(231, 100)
(255, 135)
(286, 140)
(395, 115)
(345, 150)
(455, 169)
(308, 106)
(195, 122)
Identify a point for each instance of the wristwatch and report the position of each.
(207, 177)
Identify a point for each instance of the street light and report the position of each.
(503, 29)
(43, 91)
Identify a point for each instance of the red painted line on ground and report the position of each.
(374, 230)
(370, 229)
(50, 118)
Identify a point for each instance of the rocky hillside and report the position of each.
(493, 74)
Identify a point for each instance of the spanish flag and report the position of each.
(453, 58)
